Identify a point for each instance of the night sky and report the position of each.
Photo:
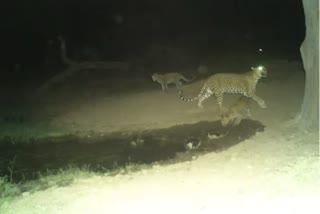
(115, 29)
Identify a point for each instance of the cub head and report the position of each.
(225, 120)
(260, 71)
(154, 77)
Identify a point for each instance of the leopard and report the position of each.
(237, 112)
(169, 78)
(230, 83)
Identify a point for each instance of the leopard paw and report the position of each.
(262, 104)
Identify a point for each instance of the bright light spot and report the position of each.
(260, 50)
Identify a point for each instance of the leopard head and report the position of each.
(260, 71)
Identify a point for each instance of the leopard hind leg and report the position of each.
(205, 95)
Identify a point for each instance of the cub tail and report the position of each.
(188, 80)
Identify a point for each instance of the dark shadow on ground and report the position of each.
(105, 153)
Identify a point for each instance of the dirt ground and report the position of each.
(106, 104)
(276, 171)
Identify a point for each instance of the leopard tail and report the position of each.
(191, 99)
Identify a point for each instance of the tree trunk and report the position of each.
(308, 118)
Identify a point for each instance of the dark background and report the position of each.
(118, 29)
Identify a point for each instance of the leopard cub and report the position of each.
(237, 112)
(169, 78)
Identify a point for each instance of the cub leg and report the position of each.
(236, 121)
(163, 86)
(178, 85)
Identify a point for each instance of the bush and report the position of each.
(8, 189)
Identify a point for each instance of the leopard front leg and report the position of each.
(219, 97)
(260, 101)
